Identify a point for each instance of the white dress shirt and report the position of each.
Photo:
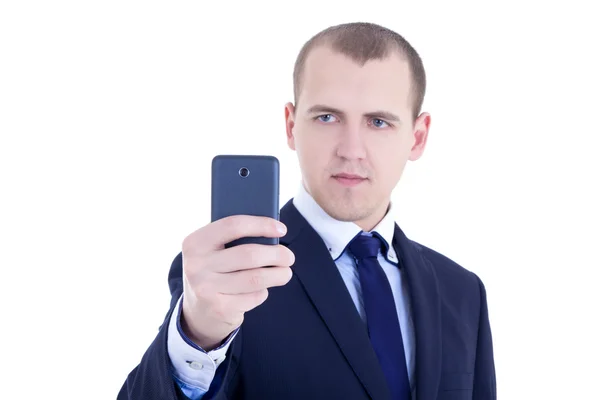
(195, 369)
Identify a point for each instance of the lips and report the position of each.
(349, 180)
(349, 176)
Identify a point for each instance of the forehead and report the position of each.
(334, 79)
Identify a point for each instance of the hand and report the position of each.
(220, 285)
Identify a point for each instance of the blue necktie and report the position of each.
(382, 318)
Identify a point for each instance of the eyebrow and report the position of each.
(320, 108)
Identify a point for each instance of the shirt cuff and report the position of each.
(192, 365)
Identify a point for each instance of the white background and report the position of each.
(110, 113)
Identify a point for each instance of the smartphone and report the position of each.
(245, 185)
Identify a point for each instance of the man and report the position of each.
(350, 308)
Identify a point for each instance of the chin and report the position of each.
(348, 215)
(347, 209)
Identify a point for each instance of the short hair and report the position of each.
(361, 42)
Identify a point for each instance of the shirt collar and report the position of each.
(338, 234)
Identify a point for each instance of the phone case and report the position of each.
(245, 185)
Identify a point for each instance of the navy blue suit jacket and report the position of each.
(307, 340)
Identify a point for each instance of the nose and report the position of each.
(351, 144)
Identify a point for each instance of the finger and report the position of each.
(228, 229)
(252, 280)
(246, 301)
(250, 256)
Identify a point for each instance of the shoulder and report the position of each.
(449, 273)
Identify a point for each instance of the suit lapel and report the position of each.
(322, 282)
(426, 312)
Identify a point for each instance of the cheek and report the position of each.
(388, 160)
(314, 148)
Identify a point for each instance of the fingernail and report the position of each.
(281, 228)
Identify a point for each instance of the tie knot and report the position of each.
(364, 246)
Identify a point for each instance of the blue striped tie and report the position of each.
(382, 318)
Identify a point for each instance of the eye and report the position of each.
(326, 118)
(379, 123)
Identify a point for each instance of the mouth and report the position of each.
(349, 180)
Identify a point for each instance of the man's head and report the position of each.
(356, 120)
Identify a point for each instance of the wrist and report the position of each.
(205, 342)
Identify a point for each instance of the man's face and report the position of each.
(353, 132)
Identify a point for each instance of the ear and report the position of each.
(420, 133)
(289, 125)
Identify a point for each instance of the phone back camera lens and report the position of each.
(244, 172)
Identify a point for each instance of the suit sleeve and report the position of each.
(484, 385)
(194, 369)
(153, 378)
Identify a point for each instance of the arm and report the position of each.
(211, 271)
(484, 385)
(192, 367)
(157, 376)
